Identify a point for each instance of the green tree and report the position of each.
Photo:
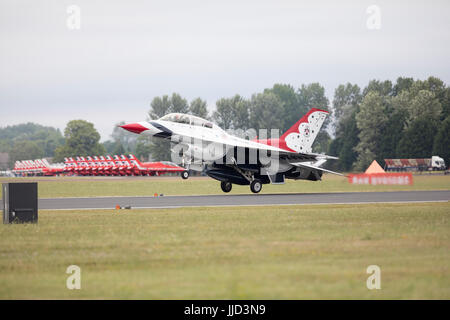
(424, 104)
(391, 121)
(47, 138)
(292, 107)
(446, 104)
(126, 139)
(109, 146)
(51, 142)
(433, 84)
(160, 150)
(5, 146)
(350, 140)
(418, 138)
(402, 84)
(346, 96)
(119, 149)
(346, 140)
(159, 107)
(313, 96)
(143, 148)
(365, 157)
(346, 101)
(441, 146)
(390, 137)
(233, 114)
(371, 121)
(266, 112)
(322, 142)
(82, 139)
(223, 115)
(178, 104)
(25, 150)
(383, 88)
(240, 110)
(198, 108)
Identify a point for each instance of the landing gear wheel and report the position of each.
(185, 175)
(226, 186)
(256, 186)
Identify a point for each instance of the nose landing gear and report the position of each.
(185, 174)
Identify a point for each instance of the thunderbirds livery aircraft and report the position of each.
(202, 145)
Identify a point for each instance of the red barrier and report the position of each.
(381, 178)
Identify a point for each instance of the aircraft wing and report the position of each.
(232, 142)
(220, 137)
(310, 166)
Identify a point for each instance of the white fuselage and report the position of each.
(207, 144)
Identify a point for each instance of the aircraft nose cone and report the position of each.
(134, 127)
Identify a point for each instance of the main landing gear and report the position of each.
(255, 186)
(226, 186)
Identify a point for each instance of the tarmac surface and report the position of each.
(243, 200)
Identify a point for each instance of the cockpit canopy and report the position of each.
(187, 119)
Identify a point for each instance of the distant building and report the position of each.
(4, 160)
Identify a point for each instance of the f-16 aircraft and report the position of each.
(202, 145)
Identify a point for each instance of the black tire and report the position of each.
(226, 186)
(185, 175)
(256, 186)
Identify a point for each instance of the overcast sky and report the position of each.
(127, 52)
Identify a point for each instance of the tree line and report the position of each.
(406, 119)
(29, 141)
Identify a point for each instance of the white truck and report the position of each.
(434, 163)
(437, 163)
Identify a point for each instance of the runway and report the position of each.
(243, 200)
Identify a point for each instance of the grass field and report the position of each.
(290, 252)
(146, 186)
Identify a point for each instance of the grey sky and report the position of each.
(128, 52)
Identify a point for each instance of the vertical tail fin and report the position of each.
(133, 159)
(302, 134)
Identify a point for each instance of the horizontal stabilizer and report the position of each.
(324, 156)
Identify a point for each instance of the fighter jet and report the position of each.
(201, 145)
(155, 168)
